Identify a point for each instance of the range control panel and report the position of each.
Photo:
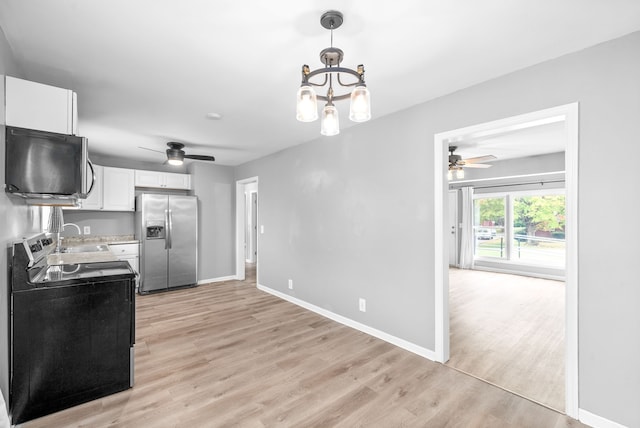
(37, 246)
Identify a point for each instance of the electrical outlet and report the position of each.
(362, 305)
(291, 284)
(87, 230)
(261, 228)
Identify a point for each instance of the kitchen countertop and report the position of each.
(78, 258)
(73, 241)
(89, 256)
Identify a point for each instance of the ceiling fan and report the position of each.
(175, 154)
(456, 163)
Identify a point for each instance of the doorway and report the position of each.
(247, 219)
(569, 114)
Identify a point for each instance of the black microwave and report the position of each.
(46, 165)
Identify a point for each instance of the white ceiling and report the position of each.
(536, 139)
(148, 71)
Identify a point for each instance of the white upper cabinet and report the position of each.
(113, 190)
(37, 106)
(162, 180)
(118, 191)
(94, 200)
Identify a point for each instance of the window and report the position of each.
(489, 227)
(538, 229)
(522, 227)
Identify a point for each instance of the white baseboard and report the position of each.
(596, 421)
(519, 272)
(401, 343)
(219, 279)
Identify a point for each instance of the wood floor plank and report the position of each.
(229, 355)
(509, 330)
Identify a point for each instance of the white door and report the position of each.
(453, 228)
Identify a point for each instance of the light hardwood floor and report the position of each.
(229, 355)
(509, 330)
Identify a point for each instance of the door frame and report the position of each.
(570, 114)
(456, 230)
(241, 227)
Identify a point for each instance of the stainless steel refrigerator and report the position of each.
(167, 227)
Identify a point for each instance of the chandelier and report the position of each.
(307, 110)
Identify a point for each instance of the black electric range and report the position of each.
(72, 330)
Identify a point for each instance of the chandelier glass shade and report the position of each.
(332, 72)
(330, 124)
(306, 109)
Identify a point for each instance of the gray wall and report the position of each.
(103, 223)
(351, 216)
(343, 220)
(215, 187)
(16, 219)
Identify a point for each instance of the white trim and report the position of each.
(441, 247)
(240, 226)
(218, 279)
(401, 343)
(519, 272)
(568, 113)
(597, 421)
(507, 177)
(571, 269)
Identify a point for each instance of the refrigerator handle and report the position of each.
(170, 217)
(167, 232)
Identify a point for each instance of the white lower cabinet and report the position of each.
(129, 253)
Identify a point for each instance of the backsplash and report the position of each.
(101, 223)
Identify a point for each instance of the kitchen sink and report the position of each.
(84, 249)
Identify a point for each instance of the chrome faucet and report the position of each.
(74, 225)
(59, 240)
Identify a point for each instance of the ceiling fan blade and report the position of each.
(151, 150)
(200, 157)
(476, 165)
(480, 159)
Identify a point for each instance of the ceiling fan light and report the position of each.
(459, 173)
(360, 109)
(330, 122)
(450, 175)
(175, 156)
(306, 107)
